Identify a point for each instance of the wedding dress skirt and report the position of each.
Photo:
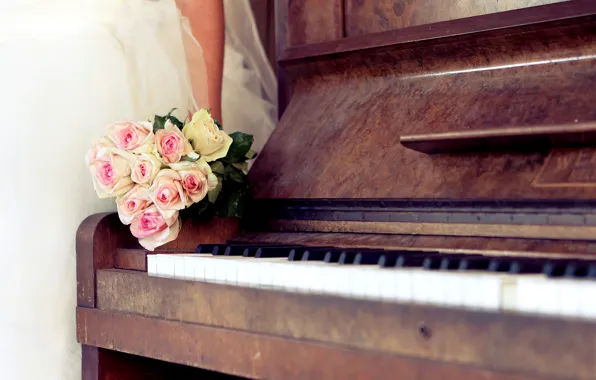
(67, 69)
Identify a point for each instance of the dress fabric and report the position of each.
(67, 69)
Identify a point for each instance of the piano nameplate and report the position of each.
(568, 168)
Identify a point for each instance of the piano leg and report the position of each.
(104, 364)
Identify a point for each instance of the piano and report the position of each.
(425, 209)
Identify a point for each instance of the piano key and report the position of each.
(423, 277)
(297, 253)
(151, 264)
(205, 248)
(234, 250)
(279, 251)
(315, 254)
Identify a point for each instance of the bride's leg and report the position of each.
(206, 20)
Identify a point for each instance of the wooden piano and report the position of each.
(437, 159)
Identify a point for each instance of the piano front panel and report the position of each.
(370, 16)
(312, 21)
(499, 342)
(360, 103)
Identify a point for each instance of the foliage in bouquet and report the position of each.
(163, 170)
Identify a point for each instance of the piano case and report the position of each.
(459, 127)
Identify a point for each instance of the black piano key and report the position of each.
(480, 263)
(591, 271)
(205, 248)
(526, 266)
(332, 256)
(556, 267)
(500, 264)
(389, 259)
(347, 257)
(315, 254)
(234, 250)
(264, 252)
(251, 251)
(453, 261)
(449, 263)
(432, 261)
(577, 269)
(372, 257)
(297, 254)
(413, 260)
(219, 249)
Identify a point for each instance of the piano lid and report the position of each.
(488, 108)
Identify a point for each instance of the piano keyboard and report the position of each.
(563, 287)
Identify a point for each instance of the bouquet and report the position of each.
(163, 170)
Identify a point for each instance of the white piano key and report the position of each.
(547, 291)
(403, 285)
(587, 297)
(421, 284)
(178, 265)
(165, 265)
(532, 293)
(189, 267)
(568, 295)
(508, 293)
(151, 264)
(386, 283)
(452, 289)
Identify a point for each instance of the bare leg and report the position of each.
(206, 18)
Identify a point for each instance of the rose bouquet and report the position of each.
(162, 170)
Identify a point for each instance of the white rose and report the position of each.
(206, 139)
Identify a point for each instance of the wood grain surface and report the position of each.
(370, 16)
(312, 21)
(258, 356)
(359, 104)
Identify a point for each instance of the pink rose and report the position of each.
(132, 136)
(110, 173)
(171, 144)
(145, 167)
(197, 178)
(135, 201)
(152, 229)
(99, 148)
(167, 192)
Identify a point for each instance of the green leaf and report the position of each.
(242, 166)
(233, 204)
(234, 174)
(218, 125)
(217, 167)
(250, 154)
(241, 143)
(213, 194)
(174, 120)
(159, 123)
(189, 159)
(201, 207)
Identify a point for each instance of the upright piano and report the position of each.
(425, 209)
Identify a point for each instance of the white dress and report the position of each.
(68, 68)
